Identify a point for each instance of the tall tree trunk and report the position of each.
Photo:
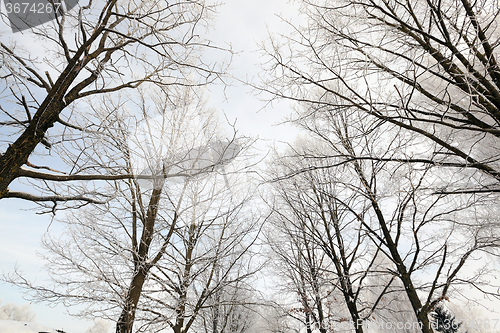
(403, 273)
(18, 152)
(127, 317)
(57, 99)
(181, 309)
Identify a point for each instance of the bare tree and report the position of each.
(11, 311)
(211, 258)
(426, 67)
(96, 49)
(232, 309)
(300, 260)
(302, 271)
(162, 247)
(348, 205)
(323, 221)
(393, 311)
(423, 74)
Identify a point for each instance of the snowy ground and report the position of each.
(11, 326)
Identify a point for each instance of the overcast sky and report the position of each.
(241, 24)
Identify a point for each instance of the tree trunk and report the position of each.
(404, 275)
(353, 309)
(127, 317)
(18, 152)
(126, 320)
(57, 99)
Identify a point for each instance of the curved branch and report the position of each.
(24, 172)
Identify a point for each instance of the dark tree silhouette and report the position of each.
(443, 321)
(86, 54)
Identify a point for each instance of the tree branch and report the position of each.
(53, 198)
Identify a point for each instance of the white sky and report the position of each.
(241, 24)
(7, 326)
